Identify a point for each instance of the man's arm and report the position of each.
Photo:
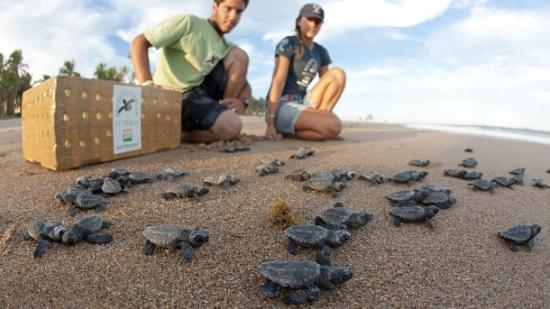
(139, 52)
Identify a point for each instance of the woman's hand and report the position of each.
(234, 104)
(271, 133)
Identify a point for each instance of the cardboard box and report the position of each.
(68, 122)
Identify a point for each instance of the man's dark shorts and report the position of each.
(201, 106)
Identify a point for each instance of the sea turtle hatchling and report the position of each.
(374, 178)
(404, 198)
(139, 178)
(419, 162)
(413, 214)
(118, 172)
(520, 234)
(342, 175)
(483, 185)
(302, 153)
(174, 236)
(299, 175)
(473, 175)
(468, 150)
(233, 149)
(469, 163)
(69, 196)
(171, 173)
(518, 171)
(44, 232)
(314, 236)
(87, 228)
(269, 166)
(221, 180)
(323, 183)
(305, 278)
(93, 184)
(504, 182)
(184, 191)
(539, 183)
(440, 199)
(408, 177)
(111, 186)
(337, 217)
(86, 201)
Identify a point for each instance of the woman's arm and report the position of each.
(280, 74)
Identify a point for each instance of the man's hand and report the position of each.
(234, 104)
(271, 133)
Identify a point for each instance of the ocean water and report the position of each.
(529, 135)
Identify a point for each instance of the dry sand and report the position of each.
(462, 263)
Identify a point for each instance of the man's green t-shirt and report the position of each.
(191, 48)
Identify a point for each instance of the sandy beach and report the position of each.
(461, 263)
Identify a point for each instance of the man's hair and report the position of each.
(220, 1)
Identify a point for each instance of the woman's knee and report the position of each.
(338, 75)
(332, 128)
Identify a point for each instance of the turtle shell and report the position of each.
(481, 184)
(181, 190)
(164, 234)
(292, 274)
(322, 182)
(88, 201)
(45, 227)
(413, 213)
(139, 177)
(307, 235)
(299, 175)
(373, 177)
(503, 181)
(439, 199)
(111, 186)
(520, 233)
(92, 223)
(335, 216)
(470, 162)
(518, 171)
(401, 196)
(420, 163)
(454, 173)
(118, 172)
(473, 175)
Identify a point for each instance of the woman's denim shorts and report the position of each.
(290, 108)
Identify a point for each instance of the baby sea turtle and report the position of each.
(483, 185)
(302, 153)
(314, 236)
(374, 178)
(174, 236)
(86, 201)
(404, 198)
(413, 214)
(324, 183)
(139, 178)
(455, 173)
(342, 175)
(520, 234)
(440, 199)
(221, 180)
(539, 183)
(44, 232)
(517, 179)
(408, 177)
(305, 277)
(269, 167)
(468, 150)
(518, 171)
(90, 183)
(87, 228)
(184, 191)
(111, 186)
(233, 149)
(504, 182)
(419, 162)
(69, 196)
(299, 175)
(469, 163)
(118, 172)
(338, 217)
(171, 173)
(473, 175)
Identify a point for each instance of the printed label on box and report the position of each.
(126, 119)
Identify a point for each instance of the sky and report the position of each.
(472, 62)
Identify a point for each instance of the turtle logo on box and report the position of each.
(127, 105)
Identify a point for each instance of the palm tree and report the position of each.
(68, 69)
(14, 80)
(110, 73)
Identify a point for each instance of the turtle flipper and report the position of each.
(300, 297)
(71, 211)
(430, 223)
(396, 221)
(41, 248)
(187, 251)
(513, 246)
(270, 289)
(149, 248)
(530, 244)
(322, 257)
(293, 247)
(99, 238)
